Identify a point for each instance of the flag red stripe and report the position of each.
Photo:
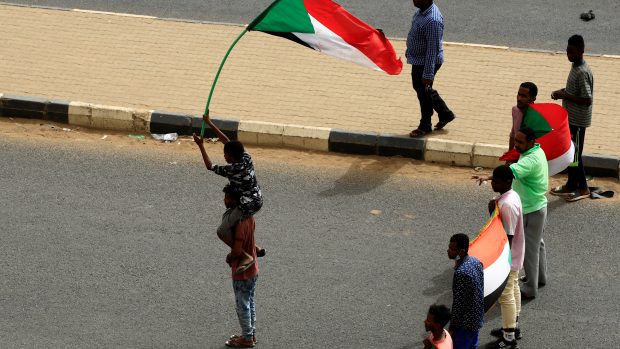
(489, 244)
(556, 142)
(356, 33)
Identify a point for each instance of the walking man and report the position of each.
(425, 54)
(531, 174)
(467, 294)
(511, 215)
(577, 100)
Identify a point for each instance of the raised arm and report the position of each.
(205, 156)
(220, 135)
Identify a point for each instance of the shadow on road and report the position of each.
(363, 176)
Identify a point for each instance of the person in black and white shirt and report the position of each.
(240, 172)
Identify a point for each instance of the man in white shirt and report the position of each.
(511, 215)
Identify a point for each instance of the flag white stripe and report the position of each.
(560, 163)
(496, 273)
(328, 42)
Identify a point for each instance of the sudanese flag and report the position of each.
(327, 27)
(550, 123)
(491, 247)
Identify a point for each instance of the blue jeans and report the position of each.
(464, 339)
(245, 291)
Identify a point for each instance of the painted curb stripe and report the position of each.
(394, 145)
(34, 108)
(340, 140)
(229, 127)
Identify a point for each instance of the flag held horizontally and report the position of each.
(491, 247)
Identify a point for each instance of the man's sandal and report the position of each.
(561, 191)
(242, 268)
(576, 197)
(418, 133)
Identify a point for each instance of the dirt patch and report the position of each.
(60, 135)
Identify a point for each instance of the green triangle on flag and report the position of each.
(534, 120)
(284, 16)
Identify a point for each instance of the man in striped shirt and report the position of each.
(577, 100)
(425, 54)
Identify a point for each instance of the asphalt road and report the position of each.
(107, 246)
(528, 24)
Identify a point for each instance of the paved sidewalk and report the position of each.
(151, 63)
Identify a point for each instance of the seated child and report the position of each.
(437, 318)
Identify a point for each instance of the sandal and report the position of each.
(239, 342)
(418, 133)
(242, 268)
(561, 191)
(576, 197)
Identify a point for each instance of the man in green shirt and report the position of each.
(531, 182)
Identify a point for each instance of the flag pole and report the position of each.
(245, 30)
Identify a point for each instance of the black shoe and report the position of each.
(499, 333)
(502, 343)
(441, 124)
(524, 280)
(526, 297)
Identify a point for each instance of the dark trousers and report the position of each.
(576, 171)
(429, 100)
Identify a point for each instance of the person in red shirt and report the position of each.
(244, 283)
(437, 318)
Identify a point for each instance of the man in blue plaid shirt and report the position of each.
(425, 54)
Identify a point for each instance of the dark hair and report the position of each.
(232, 191)
(234, 149)
(528, 132)
(462, 241)
(530, 86)
(503, 172)
(440, 313)
(577, 41)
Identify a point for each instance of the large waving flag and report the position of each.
(550, 123)
(492, 249)
(324, 26)
(327, 27)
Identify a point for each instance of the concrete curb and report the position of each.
(273, 134)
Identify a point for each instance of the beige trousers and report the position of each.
(510, 301)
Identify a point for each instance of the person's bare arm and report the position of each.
(481, 179)
(220, 135)
(562, 94)
(205, 156)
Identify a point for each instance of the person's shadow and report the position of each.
(441, 284)
(363, 176)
